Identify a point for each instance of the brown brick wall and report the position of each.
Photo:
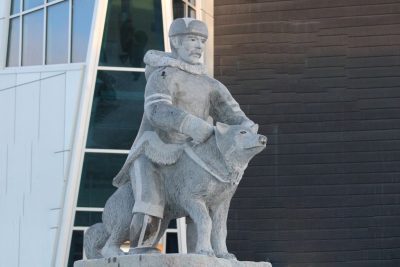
(323, 80)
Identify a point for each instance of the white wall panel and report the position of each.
(52, 74)
(37, 170)
(72, 98)
(10, 246)
(51, 138)
(27, 107)
(3, 171)
(7, 116)
(33, 233)
(18, 176)
(7, 81)
(37, 118)
(52, 117)
(13, 209)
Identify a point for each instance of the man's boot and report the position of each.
(144, 231)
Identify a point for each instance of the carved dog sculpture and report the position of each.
(199, 186)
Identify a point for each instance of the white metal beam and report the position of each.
(81, 128)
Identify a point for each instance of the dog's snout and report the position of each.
(262, 139)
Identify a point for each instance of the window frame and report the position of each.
(4, 31)
(21, 14)
(196, 7)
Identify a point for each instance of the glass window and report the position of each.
(13, 43)
(28, 4)
(171, 245)
(76, 252)
(15, 6)
(32, 40)
(87, 218)
(172, 224)
(117, 109)
(184, 8)
(97, 174)
(82, 12)
(57, 33)
(191, 12)
(178, 7)
(132, 27)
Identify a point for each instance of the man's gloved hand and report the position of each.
(198, 129)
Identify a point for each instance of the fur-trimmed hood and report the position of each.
(156, 59)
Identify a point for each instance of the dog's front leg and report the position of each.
(198, 212)
(219, 215)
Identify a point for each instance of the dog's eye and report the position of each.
(243, 132)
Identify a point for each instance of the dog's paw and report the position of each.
(227, 255)
(206, 252)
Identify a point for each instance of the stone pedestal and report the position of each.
(167, 260)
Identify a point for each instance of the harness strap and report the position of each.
(189, 151)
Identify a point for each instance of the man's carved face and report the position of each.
(190, 48)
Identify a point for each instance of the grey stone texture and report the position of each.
(202, 193)
(187, 160)
(169, 260)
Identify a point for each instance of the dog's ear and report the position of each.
(254, 128)
(222, 128)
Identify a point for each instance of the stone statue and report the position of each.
(180, 165)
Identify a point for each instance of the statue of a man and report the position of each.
(180, 98)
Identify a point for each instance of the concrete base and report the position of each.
(167, 260)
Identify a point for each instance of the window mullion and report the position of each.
(20, 41)
(44, 35)
(53, 3)
(130, 69)
(106, 151)
(36, 8)
(191, 5)
(32, 10)
(21, 2)
(70, 33)
(89, 209)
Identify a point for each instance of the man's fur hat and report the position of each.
(184, 26)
